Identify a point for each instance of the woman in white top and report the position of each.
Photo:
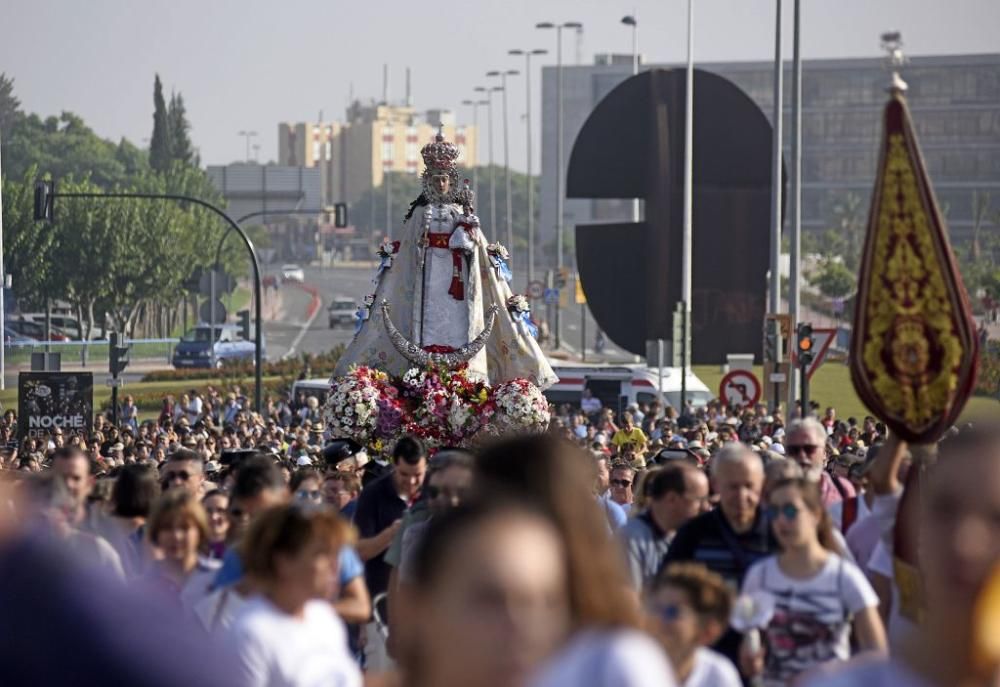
(817, 596)
(289, 634)
(689, 608)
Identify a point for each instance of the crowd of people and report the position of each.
(710, 547)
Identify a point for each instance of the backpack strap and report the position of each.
(849, 513)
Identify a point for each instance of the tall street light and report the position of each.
(248, 135)
(506, 152)
(559, 151)
(474, 104)
(630, 20)
(688, 189)
(530, 181)
(489, 135)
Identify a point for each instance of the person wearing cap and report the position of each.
(340, 490)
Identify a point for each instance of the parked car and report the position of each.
(196, 347)
(293, 273)
(66, 324)
(341, 311)
(15, 339)
(33, 330)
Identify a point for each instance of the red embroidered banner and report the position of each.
(914, 350)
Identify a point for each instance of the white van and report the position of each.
(318, 387)
(617, 386)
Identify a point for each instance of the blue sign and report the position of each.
(551, 296)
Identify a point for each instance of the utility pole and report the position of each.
(795, 258)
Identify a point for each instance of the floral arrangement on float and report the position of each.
(440, 405)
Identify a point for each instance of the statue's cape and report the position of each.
(510, 352)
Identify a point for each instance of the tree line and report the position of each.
(117, 260)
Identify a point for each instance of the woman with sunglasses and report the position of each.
(818, 596)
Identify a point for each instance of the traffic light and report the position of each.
(243, 318)
(117, 355)
(772, 341)
(340, 215)
(43, 201)
(562, 276)
(806, 344)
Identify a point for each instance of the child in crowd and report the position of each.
(689, 609)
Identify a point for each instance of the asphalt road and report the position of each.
(290, 332)
(355, 282)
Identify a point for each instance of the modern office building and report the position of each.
(954, 100)
(353, 155)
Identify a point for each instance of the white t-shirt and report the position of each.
(608, 658)
(712, 670)
(194, 410)
(869, 671)
(278, 650)
(812, 618)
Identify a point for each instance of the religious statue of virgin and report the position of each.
(442, 294)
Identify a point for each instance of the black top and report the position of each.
(710, 540)
(378, 507)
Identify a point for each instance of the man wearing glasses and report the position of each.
(677, 492)
(805, 443)
(184, 468)
(622, 479)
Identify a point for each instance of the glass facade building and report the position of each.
(954, 101)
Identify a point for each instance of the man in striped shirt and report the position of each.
(733, 536)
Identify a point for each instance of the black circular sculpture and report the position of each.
(632, 146)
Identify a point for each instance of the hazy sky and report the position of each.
(250, 64)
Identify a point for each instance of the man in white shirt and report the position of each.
(590, 404)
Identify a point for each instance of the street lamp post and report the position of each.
(248, 135)
(506, 154)
(489, 135)
(559, 152)
(688, 194)
(531, 182)
(475, 123)
(630, 20)
(255, 261)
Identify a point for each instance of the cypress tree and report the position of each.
(160, 145)
(180, 139)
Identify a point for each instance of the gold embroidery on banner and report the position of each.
(912, 352)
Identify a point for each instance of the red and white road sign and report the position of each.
(536, 289)
(740, 388)
(822, 340)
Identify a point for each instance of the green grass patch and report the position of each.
(831, 386)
